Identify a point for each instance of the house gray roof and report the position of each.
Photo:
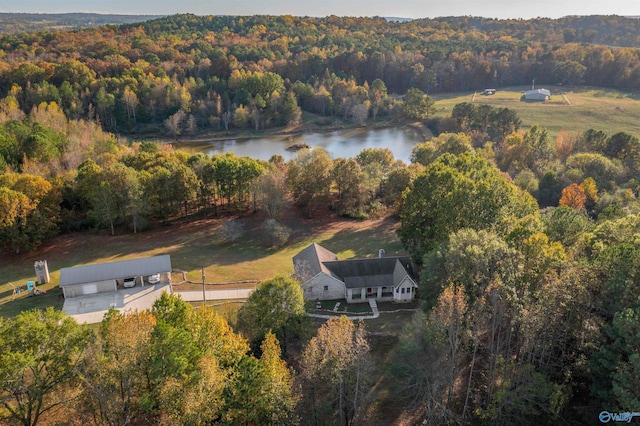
(374, 272)
(310, 261)
(115, 270)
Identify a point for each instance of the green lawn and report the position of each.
(608, 110)
(192, 246)
(344, 308)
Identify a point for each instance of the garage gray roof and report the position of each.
(115, 270)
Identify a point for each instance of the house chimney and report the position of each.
(380, 253)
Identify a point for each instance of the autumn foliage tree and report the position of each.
(274, 307)
(114, 367)
(309, 176)
(456, 192)
(39, 354)
(573, 196)
(336, 372)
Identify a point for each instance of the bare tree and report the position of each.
(191, 125)
(174, 122)
(226, 119)
(360, 112)
(233, 230)
(277, 233)
(131, 102)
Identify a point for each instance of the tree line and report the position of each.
(80, 177)
(186, 73)
(68, 175)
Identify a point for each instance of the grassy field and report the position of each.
(569, 109)
(193, 245)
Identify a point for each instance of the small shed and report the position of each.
(106, 277)
(537, 95)
(488, 92)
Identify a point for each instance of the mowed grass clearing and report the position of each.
(193, 245)
(578, 110)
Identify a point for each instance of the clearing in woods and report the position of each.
(193, 245)
(570, 109)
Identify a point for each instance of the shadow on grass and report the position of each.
(205, 249)
(197, 244)
(9, 293)
(12, 308)
(367, 242)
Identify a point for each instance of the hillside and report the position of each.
(25, 22)
(205, 69)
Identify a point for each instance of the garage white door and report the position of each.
(98, 287)
(91, 288)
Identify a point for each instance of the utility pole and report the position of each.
(204, 295)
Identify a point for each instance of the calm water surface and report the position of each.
(341, 143)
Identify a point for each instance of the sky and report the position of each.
(387, 8)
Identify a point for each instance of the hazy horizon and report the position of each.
(401, 8)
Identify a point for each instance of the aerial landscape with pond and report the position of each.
(277, 219)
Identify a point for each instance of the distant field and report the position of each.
(579, 109)
(19, 22)
(193, 245)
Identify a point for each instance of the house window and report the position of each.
(402, 290)
(409, 290)
(326, 288)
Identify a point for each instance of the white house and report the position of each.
(537, 95)
(107, 277)
(324, 277)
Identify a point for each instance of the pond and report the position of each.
(340, 143)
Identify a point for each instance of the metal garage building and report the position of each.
(537, 95)
(106, 277)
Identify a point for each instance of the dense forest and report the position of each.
(526, 245)
(134, 77)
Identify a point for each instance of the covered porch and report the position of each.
(364, 294)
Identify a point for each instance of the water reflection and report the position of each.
(341, 143)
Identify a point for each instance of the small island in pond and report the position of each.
(297, 146)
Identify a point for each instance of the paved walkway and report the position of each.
(90, 309)
(234, 293)
(374, 313)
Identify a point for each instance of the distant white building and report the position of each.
(537, 95)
